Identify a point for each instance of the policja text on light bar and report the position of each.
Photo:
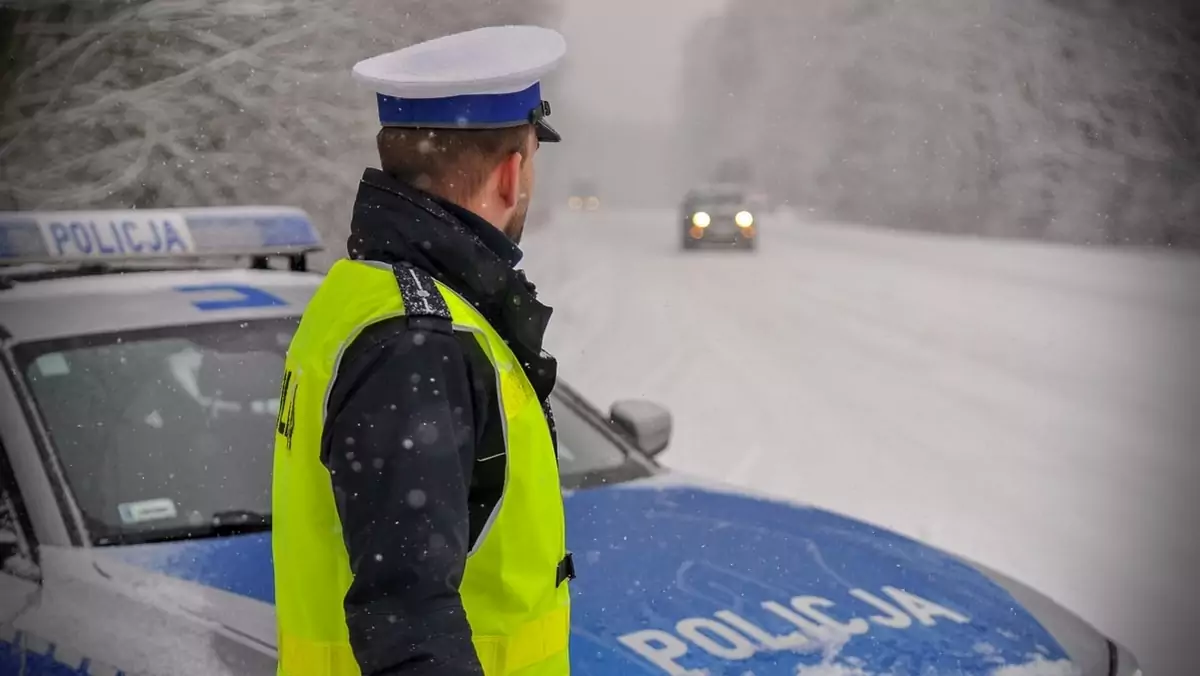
(141, 234)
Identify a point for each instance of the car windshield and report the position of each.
(167, 433)
(719, 198)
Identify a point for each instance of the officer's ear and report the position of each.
(508, 183)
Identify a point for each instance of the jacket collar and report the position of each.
(491, 236)
(394, 222)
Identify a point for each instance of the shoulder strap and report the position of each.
(423, 302)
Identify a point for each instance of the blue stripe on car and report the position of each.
(240, 564)
(685, 578)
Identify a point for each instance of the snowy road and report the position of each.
(1029, 406)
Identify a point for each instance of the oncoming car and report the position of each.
(585, 196)
(139, 398)
(718, 215)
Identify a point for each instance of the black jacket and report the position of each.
(413, 438)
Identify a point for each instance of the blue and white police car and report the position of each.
(137, 397)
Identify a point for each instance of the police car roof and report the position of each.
(118, 237)
(97, 304)
(72, 273)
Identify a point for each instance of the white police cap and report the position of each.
(486, 78)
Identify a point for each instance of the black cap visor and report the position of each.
(546, 133)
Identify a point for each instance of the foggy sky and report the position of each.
(620, 50)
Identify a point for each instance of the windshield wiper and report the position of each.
(236, 521)
(222, 524)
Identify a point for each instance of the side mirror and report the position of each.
(645, 423)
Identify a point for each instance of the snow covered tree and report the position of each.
(173, 103)
(1044, 118)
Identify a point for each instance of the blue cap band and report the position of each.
(471, 110)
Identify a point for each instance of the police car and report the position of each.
(138, 395)
(719, 215)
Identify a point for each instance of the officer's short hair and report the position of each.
(451, 163)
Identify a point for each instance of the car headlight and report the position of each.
(744, 219)
(592, 203)
(701, 219)
(575, 203)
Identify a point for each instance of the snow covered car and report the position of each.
(718, 215)
(138, 396)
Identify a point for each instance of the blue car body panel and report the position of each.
(676, 579)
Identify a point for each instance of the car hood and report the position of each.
(683, 577)
(678, 575)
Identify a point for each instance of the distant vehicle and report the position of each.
(585, 196)
(719, 215)
(140, 393)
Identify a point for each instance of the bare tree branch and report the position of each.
(173, 103)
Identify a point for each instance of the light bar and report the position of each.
(140, 234)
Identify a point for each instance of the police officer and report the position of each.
(418, 519)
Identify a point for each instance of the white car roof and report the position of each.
(102, 303)
(74, 273)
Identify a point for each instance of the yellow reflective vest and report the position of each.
(512, 590)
